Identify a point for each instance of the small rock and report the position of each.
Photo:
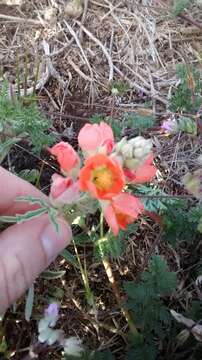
(74, 8)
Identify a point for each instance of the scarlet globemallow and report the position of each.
(64, 190)
(102, 177)
(122, 210)
(66, 156)
(93, 137)
(144, 173)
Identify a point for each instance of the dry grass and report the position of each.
(138, 41)
(131, 40)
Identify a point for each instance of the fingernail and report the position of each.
(53, 242)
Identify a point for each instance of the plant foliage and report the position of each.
(187, 96)
(181, 223)
(145, 300)
(20, 120)
(179, 6)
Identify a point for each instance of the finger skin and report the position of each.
(26, 250)
(11, 187)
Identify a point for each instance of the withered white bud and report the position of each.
(133, 151)
(120, 145)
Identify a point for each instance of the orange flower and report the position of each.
(66, 156)
(93, 136)
(144, 173)
(122, 210)
(64, 190)
(102, 177)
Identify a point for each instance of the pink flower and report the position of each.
(144, 173)
(92, 137)
(170, 126)
(52, 310)
(64, 190)
(66, 156)
(121, 211)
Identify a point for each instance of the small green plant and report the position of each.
(179, 6)
(19, 120)
(187, 96)
(145, 300)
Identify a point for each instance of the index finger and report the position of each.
(10, 188)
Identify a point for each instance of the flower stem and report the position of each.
(114, 285)
(89, 294)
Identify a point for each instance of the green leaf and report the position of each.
(145, 299)
(29, 303)
(3, 346)
(23, 217)
(139, 122)
(164, 281)
(8, 219)
(32, 200)
(155, 204)
(142, 350)
(82, 239)
(97, 118)
(29, 175)
(21, 117)
(180, 223)
(51, 275)
(53, 214)
(179, 6)
(6, 146)
(70, 258)
(109, 246)
(187, 125)
(187, 95)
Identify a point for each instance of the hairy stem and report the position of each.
(114, 284)
(89, 294)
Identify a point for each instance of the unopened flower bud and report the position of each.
(136, 147)
(120, 145)
(131, 163)
(193, 183)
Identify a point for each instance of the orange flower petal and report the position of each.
(145, 173)
(102, 177)
(128, 204)
(111, 219)
(122, 210)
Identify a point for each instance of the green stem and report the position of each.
(114, 284)
(89, 294)
(39, 176)
(101, 225)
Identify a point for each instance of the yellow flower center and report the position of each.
(102, 178)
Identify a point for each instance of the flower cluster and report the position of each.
(47, 334)
(103, 175)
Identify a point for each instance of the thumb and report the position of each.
(25, 250)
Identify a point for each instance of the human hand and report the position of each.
(25, 249)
